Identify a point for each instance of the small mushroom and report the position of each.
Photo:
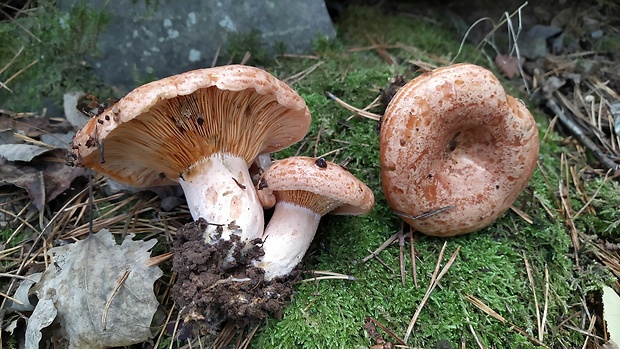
(453, 137)
(201, 128)
(303, 190)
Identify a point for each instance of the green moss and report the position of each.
(330, 314)
(57, 43)
(491, 263)
(240, 43)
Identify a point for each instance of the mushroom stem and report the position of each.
(287, 238)
(219, 189)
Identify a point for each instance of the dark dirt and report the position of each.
(211, 290)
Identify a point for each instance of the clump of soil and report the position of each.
(218, 282)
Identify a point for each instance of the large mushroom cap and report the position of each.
(453, 137)
(160, 129)
(344, 193)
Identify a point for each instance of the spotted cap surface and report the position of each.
(453, 137)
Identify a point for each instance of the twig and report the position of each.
(486, 309)
(6, 275)
(590, 328)
(530, 278)
(174, 331)
(546, 306)
(434, 282)
(373, 255)
(106, 309)
(576, 131)
(401, 255)
(480, 345)
(226, 281)
(413, 262)
(425, 214)
(2, 294)
(566, 209)
(248, 338)
(246, 58)
(359, 111)
(328, 276)
(302, 74)
(593, 195)
(158, 259)
(21, 71)
(522, 214)
(380, 248)
(225, 336)
(381, 326)
(20, 26)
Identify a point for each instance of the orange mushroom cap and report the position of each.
(158, 130)
(453, 137)
(320, 185)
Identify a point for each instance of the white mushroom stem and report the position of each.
(287, 238)
(220, 190)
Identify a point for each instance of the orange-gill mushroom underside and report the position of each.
(175, 133)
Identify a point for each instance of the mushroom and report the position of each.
(304, 189)
(453, 138)
(202, 129)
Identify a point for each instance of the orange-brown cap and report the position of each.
(160, 129)
(453, 137)
(317, 184)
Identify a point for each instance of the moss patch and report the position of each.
(53, 46)
(491, 262)
(331, 313)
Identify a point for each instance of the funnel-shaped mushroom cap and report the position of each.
(157, 131)
(319, 185)
(453, 137)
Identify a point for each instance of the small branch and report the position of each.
(106, 309)
(374, 253)
(358, 111)
(576, 131)
(485, 308)
(530, 278)
(434, 282)
(401, 255)
(328, 275)
(413, 266)
(381, 261)
(425, 214)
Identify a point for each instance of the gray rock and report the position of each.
(534, 43)
(169, 37)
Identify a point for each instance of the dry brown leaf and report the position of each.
(103, 292)
(44, 178)
(32, 125)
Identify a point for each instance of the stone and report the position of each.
(151, 39)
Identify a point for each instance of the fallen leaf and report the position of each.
(611, 313)
(44, 177)
(103, 292)
(22, 293)
(11, 327)
(42, 316)
(32, 125)
(59, 140)
(21, 152)
(70, 101)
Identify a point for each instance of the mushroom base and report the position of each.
(211, 291)
(219, 189)
(287, 238)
